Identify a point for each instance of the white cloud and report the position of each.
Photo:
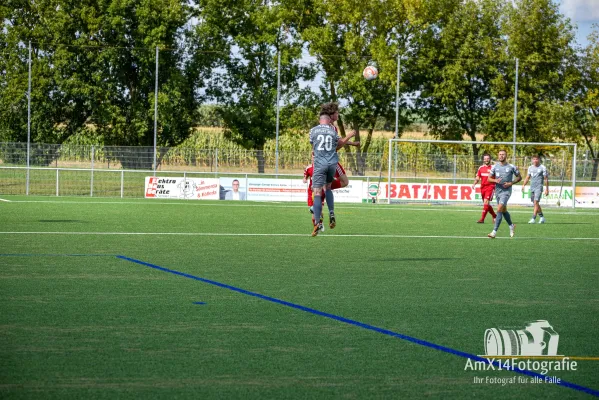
(581, 10)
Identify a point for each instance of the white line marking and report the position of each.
(342, 206)
(291, 235)
(8, 201)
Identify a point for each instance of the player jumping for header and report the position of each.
(502, 174)
(486, 188)
(537, 175)
(324, 142)
(332, 110)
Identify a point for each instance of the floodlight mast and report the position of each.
(573, 145)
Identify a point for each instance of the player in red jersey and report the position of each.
(486, 188)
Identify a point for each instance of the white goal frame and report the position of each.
(514, 144)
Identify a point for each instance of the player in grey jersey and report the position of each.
(502, 174)
(324, 142)
(538, 177)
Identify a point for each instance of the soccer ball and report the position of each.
(370, 73)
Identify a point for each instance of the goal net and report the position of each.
(443, 171)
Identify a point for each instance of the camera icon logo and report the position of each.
(538, 338)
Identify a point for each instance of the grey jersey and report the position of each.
(537, 177)
(324, 144)
(506, 173)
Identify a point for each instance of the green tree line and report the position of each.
(94, 61)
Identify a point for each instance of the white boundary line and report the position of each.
(289, 235)
(342, 206)
(8, 201)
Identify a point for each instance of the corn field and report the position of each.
(207, 151)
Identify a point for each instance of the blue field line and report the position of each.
(363, 325)
(56, 255)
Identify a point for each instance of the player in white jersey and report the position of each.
(502, 174)
(538, 177)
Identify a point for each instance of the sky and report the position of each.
(583, 13)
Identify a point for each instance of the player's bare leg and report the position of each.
(501, 214)
(343, 181)
(534, 212)
(539, 212)
(498, 220)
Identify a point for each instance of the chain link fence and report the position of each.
(114, 171)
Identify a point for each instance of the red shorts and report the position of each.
(487, 192)
(339, 171)
(311, 197)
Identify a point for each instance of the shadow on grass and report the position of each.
(569, 223)
(60, 220)
(414, 259)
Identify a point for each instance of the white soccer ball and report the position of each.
(370, 73)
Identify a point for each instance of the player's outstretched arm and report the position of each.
(306, 174)
(526, 180)
(476, 180)
(343, 141)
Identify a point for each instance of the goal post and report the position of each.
(442, 160)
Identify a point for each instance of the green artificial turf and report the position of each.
(76, 321)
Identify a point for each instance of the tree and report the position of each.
(541, 39)
(587, 101)
(345, 36)
(456, 63)
(252, 34)
(576, 119)
(128, 34)
(24, 22)
(93, 71)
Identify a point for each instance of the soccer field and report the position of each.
(106, 298)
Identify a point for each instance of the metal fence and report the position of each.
(48, 181)
(118, 171)
(65, 156)
(173, 158)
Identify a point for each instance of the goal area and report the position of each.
(443, 171)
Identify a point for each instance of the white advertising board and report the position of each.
(465, 193)
(297, 190)
(181, 188)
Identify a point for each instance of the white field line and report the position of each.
(8, 201)
(290, 235)
(342, 206)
